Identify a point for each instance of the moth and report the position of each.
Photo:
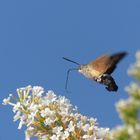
(100, 69)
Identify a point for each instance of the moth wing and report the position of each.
(114, 60)
(101, 64)
(107, 63)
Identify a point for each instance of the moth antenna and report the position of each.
(67, 78)
(70, 60)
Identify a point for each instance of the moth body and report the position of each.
(89, 72)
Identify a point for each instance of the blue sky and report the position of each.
(35, 35)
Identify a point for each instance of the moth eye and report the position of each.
(80, 68)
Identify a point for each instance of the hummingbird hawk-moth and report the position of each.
(100, 69)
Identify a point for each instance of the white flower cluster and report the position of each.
(125, 132)
(51, 117)
(129, 108)
(134, 90)
(134, 70)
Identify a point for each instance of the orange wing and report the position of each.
(107, 63)
(101, 64)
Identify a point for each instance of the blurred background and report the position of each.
(35, 35)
